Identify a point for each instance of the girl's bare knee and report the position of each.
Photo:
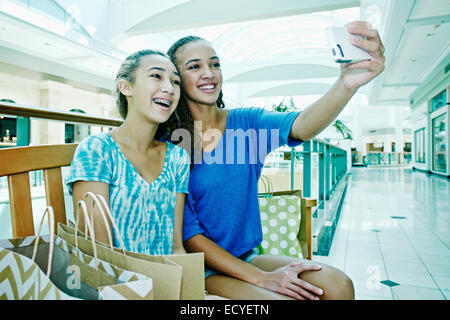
(339, 286)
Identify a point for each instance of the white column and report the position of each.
(387, 143)
(399, 139)
(51, 132)
(399, 130)
(358, 129)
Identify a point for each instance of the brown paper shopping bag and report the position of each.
(122, 284)
(128, 285)
(165, 274)
(193, 276)
(193, 272)
(174, 276)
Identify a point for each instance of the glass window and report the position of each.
(419, 142)
(440, 143)
(8, 127)
(48, 7)
(439, 101)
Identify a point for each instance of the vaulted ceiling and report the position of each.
(267, 48)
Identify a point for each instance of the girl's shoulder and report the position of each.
(100, 144)
(96, 140)
(244, 117)
(245, 112)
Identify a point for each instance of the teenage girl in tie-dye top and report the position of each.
(144, 180)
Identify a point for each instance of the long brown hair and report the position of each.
(182, 117)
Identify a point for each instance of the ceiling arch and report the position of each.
(286, 72)
(229, 11)
(293, 89)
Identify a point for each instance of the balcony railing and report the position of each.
(25, 113)
(387, 158)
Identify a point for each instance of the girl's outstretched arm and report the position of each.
(320, 114)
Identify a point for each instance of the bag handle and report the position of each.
(51, 218)
(100, 201)
(262, 178)
(81, 204)
(96, 202)
(269, 189)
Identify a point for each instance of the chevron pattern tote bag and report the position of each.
(70, 275)
(20, 276)
(22, 279)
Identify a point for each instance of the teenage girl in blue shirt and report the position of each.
(221, 215)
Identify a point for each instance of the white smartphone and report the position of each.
(342, 49)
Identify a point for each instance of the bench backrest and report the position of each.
(16, 163)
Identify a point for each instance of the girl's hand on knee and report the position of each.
(285, 280)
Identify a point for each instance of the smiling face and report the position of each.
(155, 90)
(200, 71)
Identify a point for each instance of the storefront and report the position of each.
(439, 133)
(430, 133)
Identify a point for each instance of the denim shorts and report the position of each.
(247, 257)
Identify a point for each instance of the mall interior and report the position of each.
(379, 173)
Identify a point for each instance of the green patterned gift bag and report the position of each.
(280, 220)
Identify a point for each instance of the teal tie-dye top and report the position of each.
(143, 212)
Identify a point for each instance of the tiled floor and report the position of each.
(394, 225)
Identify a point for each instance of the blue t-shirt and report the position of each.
(222, 203)
(143, 212)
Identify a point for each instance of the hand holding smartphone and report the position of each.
(342, 49)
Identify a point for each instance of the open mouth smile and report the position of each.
(164, 103)
(208, 88)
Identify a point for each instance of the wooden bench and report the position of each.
(17, 162)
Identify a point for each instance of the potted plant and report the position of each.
(343, 129)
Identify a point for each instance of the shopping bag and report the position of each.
(193, 271)
(69, 274)
(20, 276)
(22, 279)
(128, 285)
(193, 274)
(280, 219)
(167, 272)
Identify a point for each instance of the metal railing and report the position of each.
(332, 167)
(387, 158)
(325, 168)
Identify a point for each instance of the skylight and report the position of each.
(252, 41)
